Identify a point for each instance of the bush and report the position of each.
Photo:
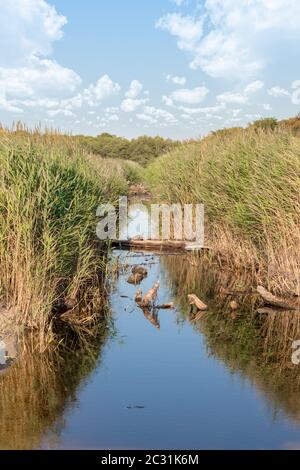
(142, 150)
(292, 125)
(265, 124)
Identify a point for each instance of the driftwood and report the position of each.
(151, 295)
(135, 279)
(140, 270)
(234, 305)
(194, 300)
(151, 316)
(271, 299)
(156, 244)
(169, 306)
(274, 310)
(159, 245)
(138, 274)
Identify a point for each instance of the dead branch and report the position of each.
(165, 306)
(271, 299)
(151, 295)
(194, 300)
(234, 305)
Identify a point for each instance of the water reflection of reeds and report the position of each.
(256, 346)
(38, 388)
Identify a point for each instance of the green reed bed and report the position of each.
(249, 182)
(50, 189)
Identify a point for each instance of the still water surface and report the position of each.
(152, 386)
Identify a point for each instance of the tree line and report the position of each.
(142, 150)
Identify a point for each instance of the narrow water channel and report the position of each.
(164, 382)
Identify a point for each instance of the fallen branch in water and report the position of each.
(165, 306)
(194, 300)
(274, 310)
(271, 299)
(151, 295)
(160, 245)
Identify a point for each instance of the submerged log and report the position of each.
(140, 270)
(271, 299)
(135, 279)
(194, 300)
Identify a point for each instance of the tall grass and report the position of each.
(49, 191)
(249, 182)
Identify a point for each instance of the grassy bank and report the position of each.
(249, 181)
(50, 188)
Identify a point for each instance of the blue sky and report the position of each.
(177, 68)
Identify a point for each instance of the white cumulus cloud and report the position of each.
(277, 91)
(160, 114)
(129, 105)
(188, 96)
(147, 118)
(253, 87)
(186, 29)
(28, 27)
(203, 110)
(28, 30)
(135, 89)
(39, 78)
(176, 80)
(235, 38)
(104, 88)
(229, 97)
